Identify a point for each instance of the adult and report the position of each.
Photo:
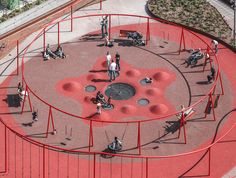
(103, 24)
(215, 45)
(108, 59)
(118, 61)
(112, 71)
(50, 53)
(59, 52)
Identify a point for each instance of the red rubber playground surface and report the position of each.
(155, 142)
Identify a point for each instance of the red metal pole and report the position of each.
(49, 116)
(180, 125)
(27, 91)
(181, 38)
(90, 134)
(94, 166)
(109, 35)
(147, 32)
(52, 121)
(100, 4)
(146, 167)
(5, 141)
(139, 139)
(58, 33)
(221, 84)
(212, 107)
(17, 59)
(44, 165)
(209, 162)
(44, 40)
(183, 124)
(23, 104)
(71, 18)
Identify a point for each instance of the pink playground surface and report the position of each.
(203, 145)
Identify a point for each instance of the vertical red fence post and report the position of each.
(94, 165)
(71, 18)
(139, 139)
(100, 4)
(90, 135)
(44, 163)
(109, 31)
(5, 150)
(182, 40)
(180, 124)
(58, 34)
(17, 57)
(146, 167)
(147, 31)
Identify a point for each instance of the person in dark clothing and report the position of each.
(117, 61)
(212, 75)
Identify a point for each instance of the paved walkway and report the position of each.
(30, 15)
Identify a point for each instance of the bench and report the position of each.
(124, 33)
(187, 113)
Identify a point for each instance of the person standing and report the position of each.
(108, 58)
(118, 61)
(215, 45)
(112, 71)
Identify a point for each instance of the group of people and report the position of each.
(113, 67)
(49, 53)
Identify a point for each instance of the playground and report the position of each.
(178, 125)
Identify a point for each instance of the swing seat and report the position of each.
(124, 33)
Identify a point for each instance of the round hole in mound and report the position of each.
(71, 86)
(133, 73)
(159, 76)
(90, 88)
(158, 109)
(143, 102)
(143, 82)
(120, 91)
(128, 109)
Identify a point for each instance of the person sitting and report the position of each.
(35, 116)
(19, 88)
(23, 94)
(100, 98)
(60, 53)
(46, 56)
(212, 75)
(116, 145)
(107, 41)
(185, 112)
(49, 52)
(148, 80)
